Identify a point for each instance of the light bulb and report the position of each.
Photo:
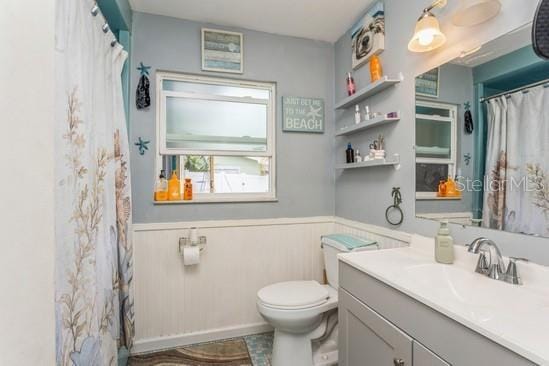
(426, 37)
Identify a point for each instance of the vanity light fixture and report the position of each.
(427, 35)
(474, 12)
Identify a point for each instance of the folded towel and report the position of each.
(350, 242)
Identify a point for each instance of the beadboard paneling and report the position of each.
(171, 299)
(176, 305)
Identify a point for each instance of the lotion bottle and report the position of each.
(444, 245)
(357, 114)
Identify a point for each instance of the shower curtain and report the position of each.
(516, 185)
(94, 302)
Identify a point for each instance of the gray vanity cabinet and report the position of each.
(369, 339)
(381, 326)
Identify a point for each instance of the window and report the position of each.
(220, 133)
(436, 140)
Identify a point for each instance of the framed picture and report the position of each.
(368, 35)
(222, 51)
(427, 84)
(301, 114)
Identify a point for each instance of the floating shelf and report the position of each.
(366, 92)
(395, 162)
(366, 125)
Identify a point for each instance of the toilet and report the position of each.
(304, 313)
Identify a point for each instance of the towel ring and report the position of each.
(393, 213)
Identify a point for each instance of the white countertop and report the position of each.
(516, 317)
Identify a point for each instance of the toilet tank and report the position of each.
(334, 244)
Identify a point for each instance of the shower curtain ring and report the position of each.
(95, 10)
(105, 28)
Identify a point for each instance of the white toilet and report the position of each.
(304, 313)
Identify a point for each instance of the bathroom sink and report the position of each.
(514, 316)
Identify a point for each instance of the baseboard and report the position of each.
(160, 343)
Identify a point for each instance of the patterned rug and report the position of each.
(232, 352)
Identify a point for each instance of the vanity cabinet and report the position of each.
(381, 326)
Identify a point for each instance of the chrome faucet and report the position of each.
(494, 268)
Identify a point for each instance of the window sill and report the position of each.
(435, 198)
(199, 200)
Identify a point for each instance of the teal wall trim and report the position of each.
(479, 150)
(118, 14)
(124, 37)
(521, 58)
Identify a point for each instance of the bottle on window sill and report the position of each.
(174, 188)
(161, 187)
(188, 190)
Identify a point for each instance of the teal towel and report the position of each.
(349, 241)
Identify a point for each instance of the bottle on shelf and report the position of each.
(358, 158)
(351, 86)
(161, 187)
(350, 154)
(188, 190)
(376, 71)
(174, 188)
(357, 114)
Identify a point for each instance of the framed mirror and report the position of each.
(482, 138)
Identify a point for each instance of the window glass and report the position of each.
(212, 89)
(428, 176)
(195, 124)
(433, 139)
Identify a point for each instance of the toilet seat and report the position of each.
(293, 295)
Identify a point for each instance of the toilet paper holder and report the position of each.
(187, 242)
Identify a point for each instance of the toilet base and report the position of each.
(291, 349)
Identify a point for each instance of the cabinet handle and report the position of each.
(398, 362)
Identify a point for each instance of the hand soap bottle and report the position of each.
(444, 245)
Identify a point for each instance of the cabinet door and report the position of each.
(424, 357)
(367, 339)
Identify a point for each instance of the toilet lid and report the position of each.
(293, 294)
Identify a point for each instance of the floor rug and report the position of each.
(232, 352)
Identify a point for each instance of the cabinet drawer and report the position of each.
(367, 339)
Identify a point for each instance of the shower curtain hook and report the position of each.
(105, 28)
(114, 42)
(95, 10)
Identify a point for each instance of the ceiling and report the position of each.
(324, 20)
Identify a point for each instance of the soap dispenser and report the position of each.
(444, 245)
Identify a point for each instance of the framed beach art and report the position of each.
(222, 51)
(368, 35)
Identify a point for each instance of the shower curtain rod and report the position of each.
(546, 81)
(95, 10)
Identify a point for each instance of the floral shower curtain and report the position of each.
(94, 301)
(516, 194)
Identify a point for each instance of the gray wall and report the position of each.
(305, 179)
(455, 87)
(363, 194)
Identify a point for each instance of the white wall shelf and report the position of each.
(394, 161)
(367, 91)
(364, 125)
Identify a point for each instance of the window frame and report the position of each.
(270, 152)
(452, 161)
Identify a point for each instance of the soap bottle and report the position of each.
(376, 70)
(174, 188)
(161, 187)
(188, 190)
(357, 114)
(350, 154)
(444, 245)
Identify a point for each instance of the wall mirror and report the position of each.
(482, 138)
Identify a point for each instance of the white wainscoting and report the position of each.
(177, 305)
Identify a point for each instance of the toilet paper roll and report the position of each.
(191, 255)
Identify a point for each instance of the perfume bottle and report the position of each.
(351, 86)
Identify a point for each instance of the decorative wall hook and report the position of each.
(142, 145)
(143, 69)
(467, 105)
(394, 214)
(467, 158)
